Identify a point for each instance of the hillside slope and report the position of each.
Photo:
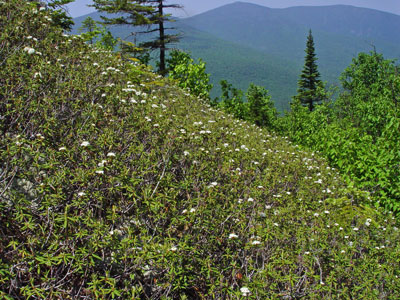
(115, 184)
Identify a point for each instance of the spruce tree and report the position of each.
(309, 82)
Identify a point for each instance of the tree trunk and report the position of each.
(162, 37)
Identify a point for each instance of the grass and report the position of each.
(116, 184)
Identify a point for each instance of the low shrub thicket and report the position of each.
(115, 184)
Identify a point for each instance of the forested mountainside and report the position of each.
(116, 184)
(271, 41)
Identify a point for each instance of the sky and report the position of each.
(194, 7)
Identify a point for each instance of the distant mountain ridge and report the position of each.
(245, 42)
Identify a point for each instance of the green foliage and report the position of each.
(89, 30)
(232, 101)
(258, 109)
(189, 74)
(116, 184)
(98, 34)
(262, 111)
(358, 134)
(372, 93)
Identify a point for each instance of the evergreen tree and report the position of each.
(262, 111)
(148, 13)
(90, 29)
(159, 18)
(309, 83)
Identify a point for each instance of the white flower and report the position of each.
(256, 243)
(85, 144)
(307, 253)
(192, 210)
(62, 149)
(30, 50)
(327, 212)
(250, 200)
(316, 214)
(245, 291)
(276, 224)
(355, 228)
(233, 236)
(186, 153)
(99, 172)
(80, 194)
(110, 154)
(101, 164)
(173, 249)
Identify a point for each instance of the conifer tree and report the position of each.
(159, 18)
(148, 13)
(307, 92)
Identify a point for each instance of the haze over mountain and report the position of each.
(245, 43)
(191, 8)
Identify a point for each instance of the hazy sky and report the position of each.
(193, 7)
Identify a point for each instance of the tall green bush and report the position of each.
(189, 74)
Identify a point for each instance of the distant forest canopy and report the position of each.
(246, 43)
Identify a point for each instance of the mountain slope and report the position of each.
(241, 65)
(115, 184)
(340, 32)
(247, 43)
(272, 29)
(238, 64)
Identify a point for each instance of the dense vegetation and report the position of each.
(358, 133)
(116, 184)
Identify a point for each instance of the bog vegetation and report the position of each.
(115, 183)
